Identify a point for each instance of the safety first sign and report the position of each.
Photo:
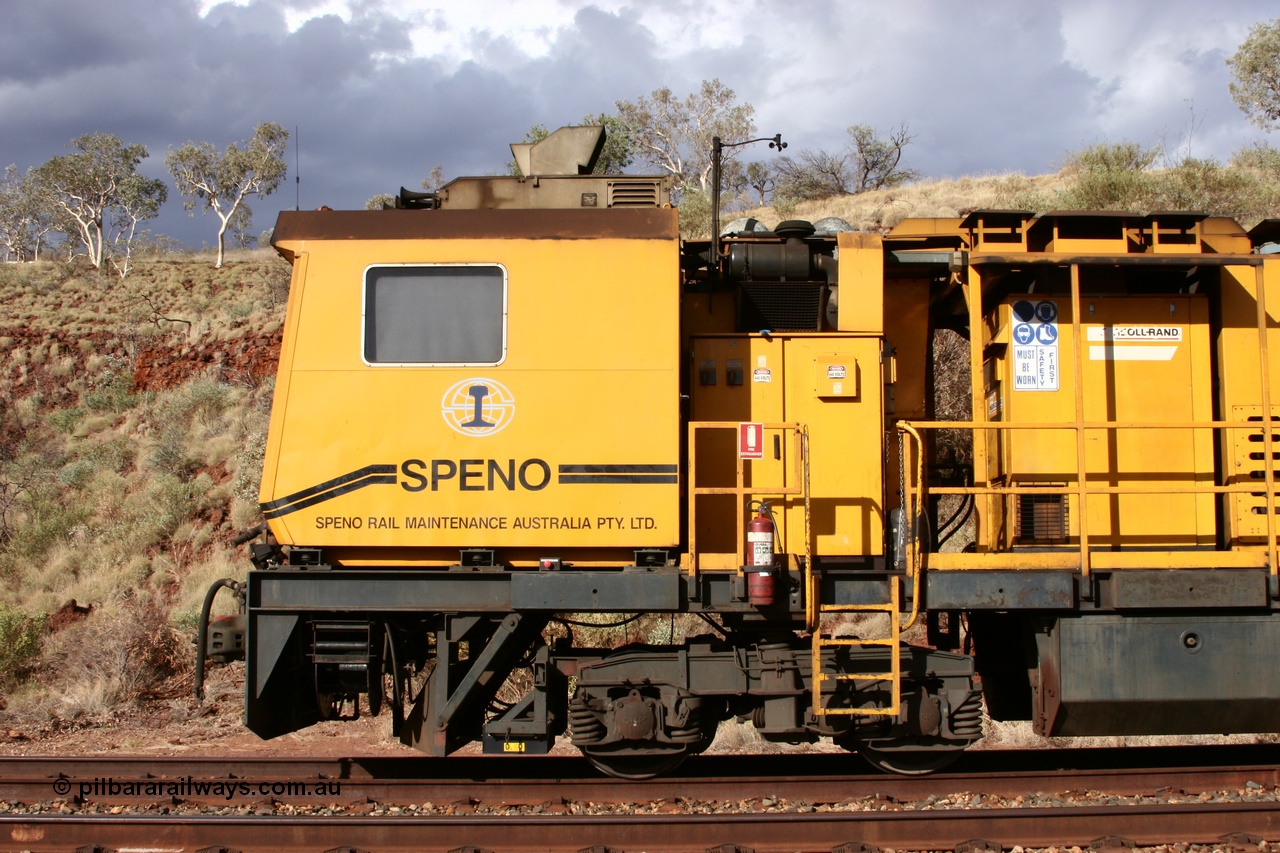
(1035, 345)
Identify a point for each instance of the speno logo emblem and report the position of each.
(478, 407)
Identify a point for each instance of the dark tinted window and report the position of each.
(435, 315)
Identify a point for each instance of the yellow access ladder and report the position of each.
(822, 641)
(820, 636)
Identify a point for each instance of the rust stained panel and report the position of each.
(647, 224)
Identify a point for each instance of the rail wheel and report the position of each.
(636, 762)
(907, 757)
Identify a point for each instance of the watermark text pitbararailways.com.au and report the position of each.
(188, 787)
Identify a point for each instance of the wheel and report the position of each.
(906, 758)
(632, 763)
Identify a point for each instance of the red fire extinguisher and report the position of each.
(760, 557)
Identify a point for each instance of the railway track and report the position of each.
(959, 830)
(817, 778)
(1077, 797)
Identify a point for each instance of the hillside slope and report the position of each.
(132, 419)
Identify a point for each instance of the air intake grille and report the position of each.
(789, 307)
(1257, 467)
(1041, 519)
(633, 194)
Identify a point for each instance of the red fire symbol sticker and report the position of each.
(750, 441)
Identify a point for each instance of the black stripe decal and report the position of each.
(329, 484)
(604, 474)
(370, 475)
(570, 479)
(619, 469)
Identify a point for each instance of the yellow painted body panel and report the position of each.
(830, 383)
(1238, 349)
(587, 407)
(862, 291)
(846, 483)
(1146, 359)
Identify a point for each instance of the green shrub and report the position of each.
(20, 636)
(249, 466)
(1208, 187)
(66, 420)
(76, 474)
(1123, 176)
(169, 455)
(48, 518)
(167, 501)
(1107, 176)
(207, 398)
(115, 452)
(109, 391)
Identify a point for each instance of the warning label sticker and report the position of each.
(1035, 350)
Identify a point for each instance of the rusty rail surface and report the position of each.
(782, 811)
(763, 833)
(816, 778)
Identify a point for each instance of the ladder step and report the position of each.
(854, 641)
(869, 712)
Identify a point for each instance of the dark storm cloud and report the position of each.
(368, 115)
(52, 39)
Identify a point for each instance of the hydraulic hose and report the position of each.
(202, 637)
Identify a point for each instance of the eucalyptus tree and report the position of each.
(222, 182)
(673, 134)
(1256, 68)
(97, 194)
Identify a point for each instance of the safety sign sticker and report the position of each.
(1035, 345)
(750, 441)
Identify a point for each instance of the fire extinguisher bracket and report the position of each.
(760, 569)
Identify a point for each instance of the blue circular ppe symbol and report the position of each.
(1023, 334)
(1046, 312)
(1046, 334)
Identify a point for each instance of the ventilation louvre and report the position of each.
(1041, 519)
(1259, 505)
(633, 194)
(782, 307)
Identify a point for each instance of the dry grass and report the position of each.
(113, 658)
(882, 209)
(1017, 734)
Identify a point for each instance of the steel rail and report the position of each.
(762, 833)
(817, 779)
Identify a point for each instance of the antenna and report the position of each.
(297, 175)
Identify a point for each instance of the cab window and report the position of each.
(425, 315)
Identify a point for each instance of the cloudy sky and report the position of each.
(380, 91)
